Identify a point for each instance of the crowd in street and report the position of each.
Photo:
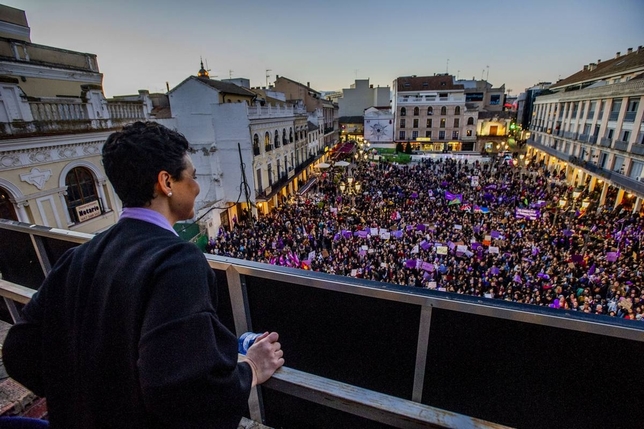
(493, 231)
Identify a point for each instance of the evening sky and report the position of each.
(142, 44)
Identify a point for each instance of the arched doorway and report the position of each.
(7, 210)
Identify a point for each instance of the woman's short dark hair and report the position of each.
(134, 156)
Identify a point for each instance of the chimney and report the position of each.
(617, 55)
(599, 61)
(629, 50)
(308, 84)
(277, 76)
(585, 68)
(592, 66)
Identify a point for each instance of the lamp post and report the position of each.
(561, 205)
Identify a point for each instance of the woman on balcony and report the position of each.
(124, 330)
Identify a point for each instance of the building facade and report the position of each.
(313, 101)
(251, 149)
(54, 120)
(589, 130)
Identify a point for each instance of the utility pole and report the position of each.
(230, 74)
(268, 75)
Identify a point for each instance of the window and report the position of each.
(256, 144)
(6, 207)
(260, 186)
(614, 111)
(414, 135)
(442, 123)
(441, 135)
(495, 99)
(625, 136)
(618, 164)
(290, 134)
(457, 110)
(284, 139)
(81, 190)
(470, 121)
(636, 170)
(457, 122)
(270, 174)
(415, 123)
(416, 111)
(267, 142)
(474, 96)
(401, 135)
(402, 123)
(430, 111)
(454, 135)
(429, 122)
(277, 139)
(403, 111)
(443, 110)
(610, 133)
(468, 133)
(428, 134)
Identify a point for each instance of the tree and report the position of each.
(408, 148)
(399, 147)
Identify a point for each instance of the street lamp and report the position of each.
(562, 203)
(351, 187)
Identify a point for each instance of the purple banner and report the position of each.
(531, 214)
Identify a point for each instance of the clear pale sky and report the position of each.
(142, 44)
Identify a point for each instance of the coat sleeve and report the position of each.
(22, 348)
(188, 367)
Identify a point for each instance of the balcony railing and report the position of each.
(620, 145)
(350, 364)
(638, 149)
(592, 139)
(126, 110)
(58, 111)
(613, 116)
(583, 137)
(606, 142)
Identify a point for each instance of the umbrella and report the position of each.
(342, 164)
(323, 165)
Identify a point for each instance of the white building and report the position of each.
(590, 128)
(379, 126)
(251, 150)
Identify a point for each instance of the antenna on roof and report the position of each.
(230, 74)
(457, 73)
(267, 76)
(447, 67)
(487, 78)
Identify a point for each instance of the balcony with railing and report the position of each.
(583, 138)
(59, 115)
(606, 142)
(613, 116)
(367, 354)
(592, 139)
(637, 149)
(620, 145)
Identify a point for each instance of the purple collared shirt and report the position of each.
(147, 215)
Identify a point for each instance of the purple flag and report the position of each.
(425, 245)
(495, 234)
(397, 234)
(592, 269)
(346, 234)
(517, 278)
(411, 263)
(612, 256)
(494, 271)
(420, 227)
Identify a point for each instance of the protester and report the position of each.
(124, 330)
(432, 225)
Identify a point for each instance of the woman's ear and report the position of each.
(164, 183)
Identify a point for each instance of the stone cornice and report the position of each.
(43, 155)
(630, 88)
(51, 141)
(30, 70)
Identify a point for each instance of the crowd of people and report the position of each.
(493, 231)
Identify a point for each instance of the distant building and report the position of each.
(352, 104)
(431, 113)
(379, 126)
(312, 101)
(589, 130)
(54, 120)
(525, 103)
(251, 148)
